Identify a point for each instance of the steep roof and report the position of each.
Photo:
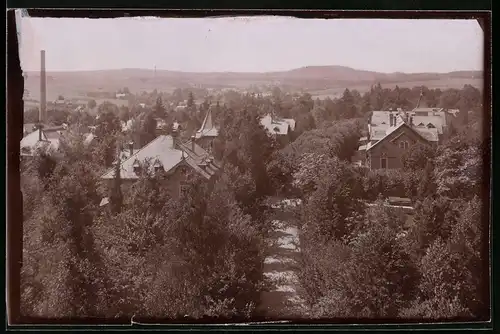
(428, 134)
(380, 124)
(170, 155)
(208, 128)
(278, 126)
(437, 121)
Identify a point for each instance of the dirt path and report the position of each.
(280, 267)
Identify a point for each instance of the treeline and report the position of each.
(354, 104)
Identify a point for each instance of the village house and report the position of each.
(280, 128)
(392, 133)
(178, 160)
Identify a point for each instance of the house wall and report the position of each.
(391, 147)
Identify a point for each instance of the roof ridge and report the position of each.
(399, 126)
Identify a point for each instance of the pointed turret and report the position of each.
(420, 98)
(207, 128)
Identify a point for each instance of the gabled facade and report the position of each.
(391, 134)
(387, 153)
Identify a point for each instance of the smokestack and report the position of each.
(43, 90)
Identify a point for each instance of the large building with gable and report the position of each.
(178, 160)
(45, 140)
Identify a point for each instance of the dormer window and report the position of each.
(157, 166)
(183, 170)
(430, 126)
(421, 124)
(136, 166)
(383, 160)
(276, 129)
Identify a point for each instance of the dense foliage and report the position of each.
(364, 259)
(149, 254)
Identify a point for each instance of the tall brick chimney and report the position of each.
(42, 116)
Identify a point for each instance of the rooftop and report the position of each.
(169, 155)
(279, 126)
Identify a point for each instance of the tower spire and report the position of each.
(420, 97)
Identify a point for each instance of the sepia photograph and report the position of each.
(254, 168)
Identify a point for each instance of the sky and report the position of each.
(258, 44)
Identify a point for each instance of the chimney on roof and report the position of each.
(192, 142)
(42, 116)
(411, 120)
(40, 133)
(391, 119)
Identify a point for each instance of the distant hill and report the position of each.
(311, 78)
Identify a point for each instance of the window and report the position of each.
(183, 188)
(404, 144)
(383, 160)
(430, 126)
(157, 166)
(136, 166)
